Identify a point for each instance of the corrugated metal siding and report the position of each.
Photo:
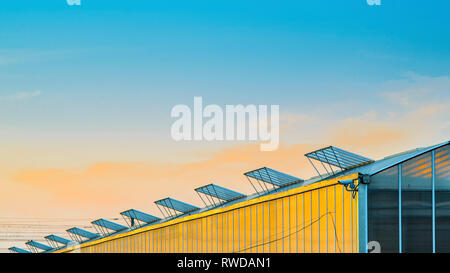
(321, 217)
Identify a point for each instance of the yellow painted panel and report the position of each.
(230, 231)
(160, 240)
(348, 222)
(170, 239)
(150, 242)
(265, 228)
(209, 234)
(185, 241)
(251, 229)
(137, 243)
(271, 233)
(176, 237)
(286, 224)
(332, 244)
(315, 221)
(144, 242)
(270, 226)
(155, 241)
(278, 244)
(255, 201)
(224, 232)
(300, 223)
(140, 243)
(164, 240)
(187, 237)
(259, 228)
(323, 222)
(308, 222)
(202, 235)
(235, 230)
(339, 219)
(213, 227)
(246, 230)
(192, 237)
(242, 229)
(219, 233)
(292, 224)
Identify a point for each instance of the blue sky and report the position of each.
(122, 65)
(86, 93)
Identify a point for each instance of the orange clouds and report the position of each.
(110, 186)
(117, 183)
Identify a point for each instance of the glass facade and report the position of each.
(417, 207)
(442, 191)
(383, 210)
(409, 205)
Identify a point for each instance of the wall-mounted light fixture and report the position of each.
(352, 185)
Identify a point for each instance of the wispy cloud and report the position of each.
(20, 96)
(416, 90)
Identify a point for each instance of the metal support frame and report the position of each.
(272, 181)
(169, 210)
(54, 243)
(133, 221)
(332, 156)
(213, 195)
(433, 178)
(400, 208)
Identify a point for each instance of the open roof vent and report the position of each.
(331, 156)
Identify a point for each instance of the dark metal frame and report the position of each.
(133, 220)
(216, 195)
(267, 177)
(172, 211)
(101, 227)
(333, 156)
(76, 237)
(55, 244)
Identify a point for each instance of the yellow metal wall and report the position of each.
(322, 217)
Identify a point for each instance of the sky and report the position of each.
(86, 93)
